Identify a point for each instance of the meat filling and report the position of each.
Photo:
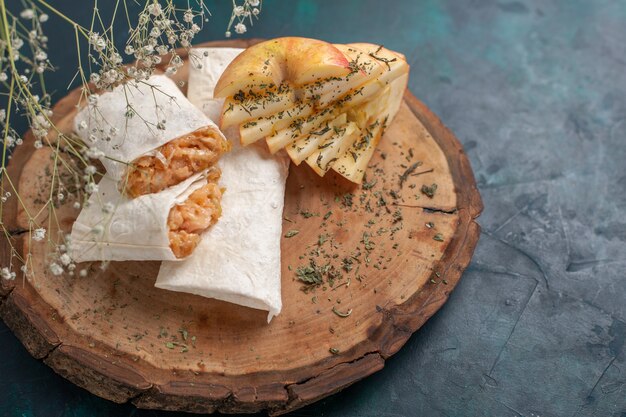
(189, 219)
(174, 162)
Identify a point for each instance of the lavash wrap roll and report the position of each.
(136, 118)
(207, 66)
(238, 259)
(113, 227)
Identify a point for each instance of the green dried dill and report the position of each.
(408, 171)
(429, 191)
(341, 314)
(291, 233)
(310, 274)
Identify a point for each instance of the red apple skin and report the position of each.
(290, 60)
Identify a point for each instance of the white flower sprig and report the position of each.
(243, 12)
(161, 27)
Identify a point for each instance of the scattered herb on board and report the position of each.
(310, 274)
(347, 199)
(291, 233)
(369, 185)
(429, 191)
(306, 214)
(408, 171)
(438, 237)
(334, 351)
(430, 225)
(327, 215)
(342, 314)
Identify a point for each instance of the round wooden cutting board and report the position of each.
(392, 251)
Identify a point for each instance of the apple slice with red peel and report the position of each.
(290, 60)
(243, 107)
(364, 69)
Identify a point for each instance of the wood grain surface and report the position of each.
(116, 335)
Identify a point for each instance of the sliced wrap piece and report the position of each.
(238, 259)
(148, 135)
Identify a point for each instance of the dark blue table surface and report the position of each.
(536, 92)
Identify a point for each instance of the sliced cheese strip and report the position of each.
(238, 259)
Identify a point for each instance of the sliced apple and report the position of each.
(300, 149)
(289, 60)
(243, 107)
(364, 70)
(327, 152)
(258, 128)
(298, 128)
(353, 163)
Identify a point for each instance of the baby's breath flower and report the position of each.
(3, 76)
(240, 28)
(76, 205)
(82, 273)
(238, 10)
(228, 34)
(256, 11)
(38, 144)
(41, 55)
(65, 259)
(188, 16)
(254, 3)
(155, 9)
(94, 153)
(27, 14)
(43, 18)
(129, 50)
(38, 234)
(6, 274)
(91, 188)
(108, 207)
(56, 269)
(97, 41)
